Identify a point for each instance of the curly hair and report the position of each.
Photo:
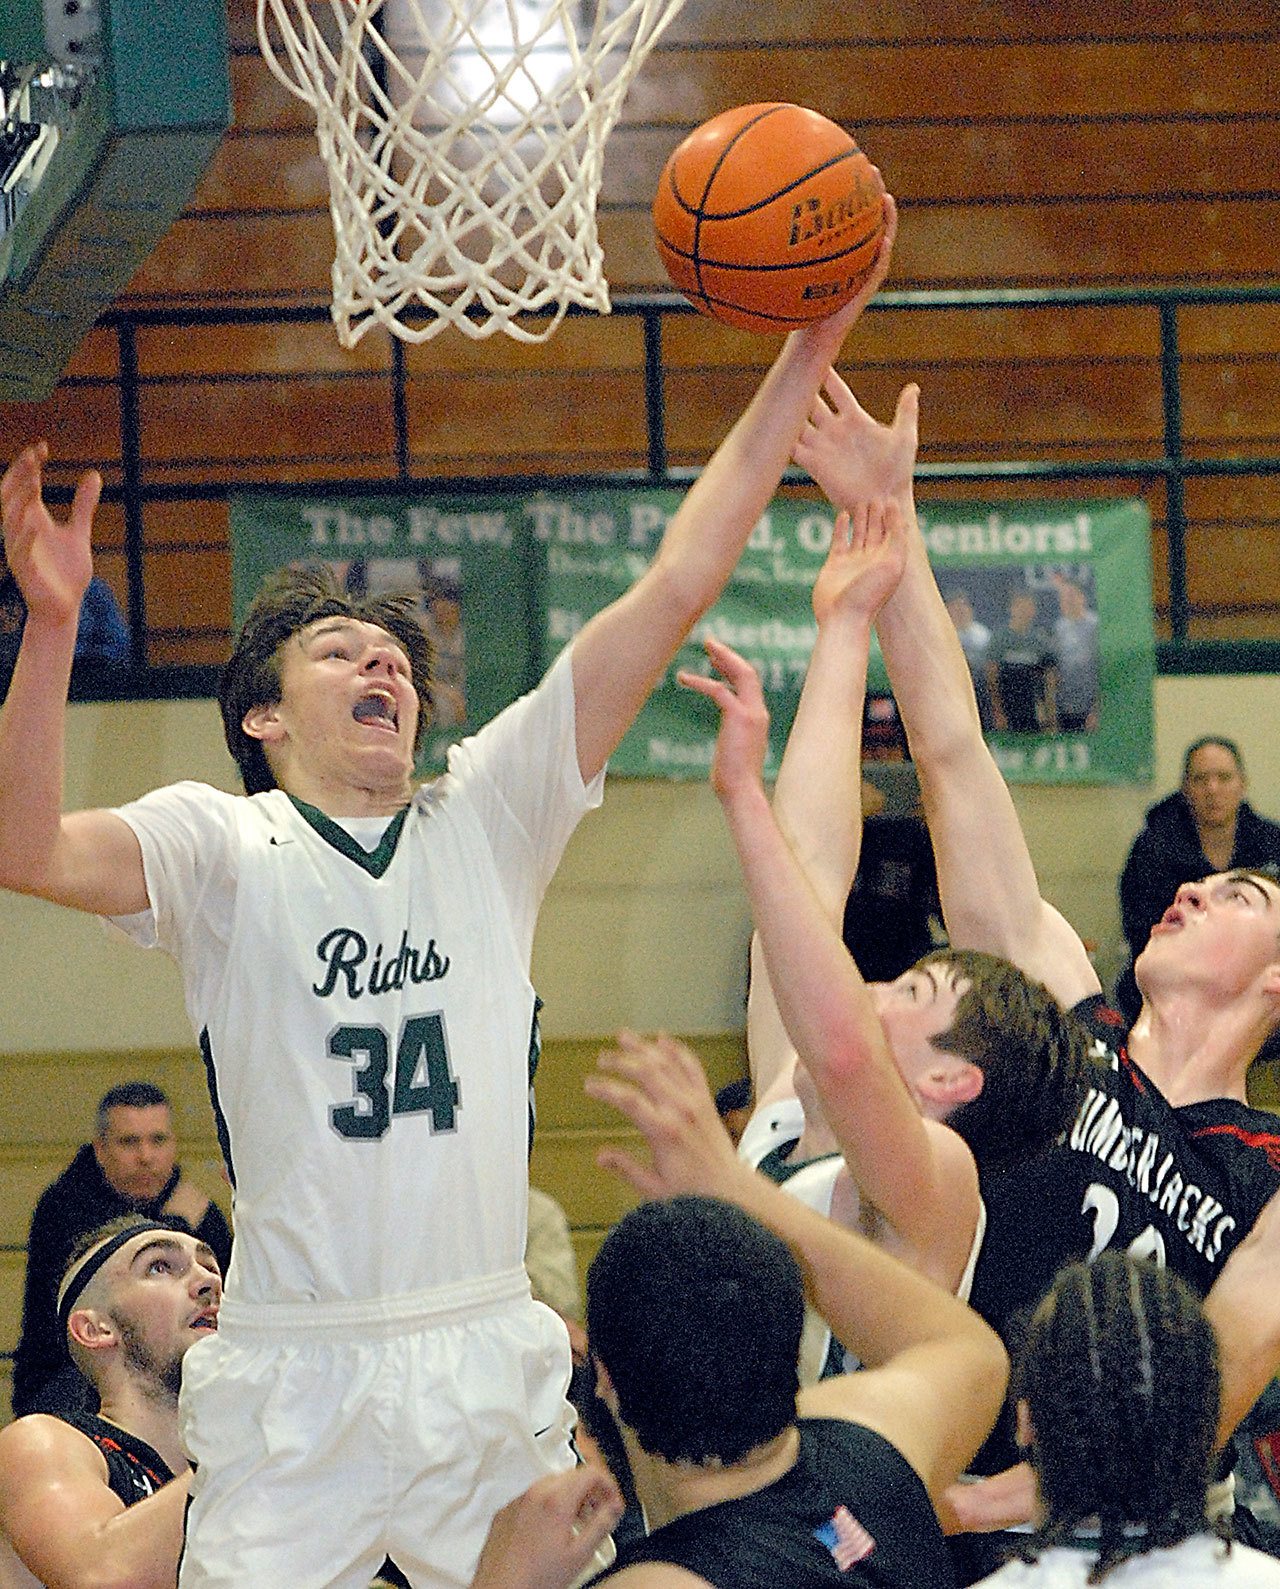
(1035, 1059)
(1119, 1371)
(695, 1311)
(288, 601)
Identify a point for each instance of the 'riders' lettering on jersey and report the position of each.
(344, 951)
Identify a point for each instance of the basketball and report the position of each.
(768, 216)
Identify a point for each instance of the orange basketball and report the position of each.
(768, 216)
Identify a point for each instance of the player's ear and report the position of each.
(1271, 990)
(91, 1329)
(951, 1082)
(1024, 1430)
(263, 722)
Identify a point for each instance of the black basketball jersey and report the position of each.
(851, 1511)
(134, 1469)
(1182, 1186)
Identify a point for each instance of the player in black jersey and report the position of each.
(694, 1311)
(1165, 1158)
(136, 1295)
(694, 1315)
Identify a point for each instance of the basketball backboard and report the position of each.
(110, 110)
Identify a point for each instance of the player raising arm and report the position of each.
(714, 1471)
(1166, 1158)
(382, 932)
(90, 861)
(913, 1177)
(987, 883)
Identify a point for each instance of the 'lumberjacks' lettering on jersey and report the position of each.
(1139, 1156)
(344, 951)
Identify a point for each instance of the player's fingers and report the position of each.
(906, 416)
(841, 531)
(837, 391)
(577, 1494)
(736, 669)
(890, 233)
(22, 477)
(877, 526)
(703, 684)
(858, 526)
(619, 1163)
(85, 500)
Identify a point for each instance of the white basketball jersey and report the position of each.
(366, 1016)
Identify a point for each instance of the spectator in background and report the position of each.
(1075, 648)
(975, 641)
(102, 636)
(1021, 671)
(1206, 826)
(553, 1267)
(130, 1167)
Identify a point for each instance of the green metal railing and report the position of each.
(1171, 466)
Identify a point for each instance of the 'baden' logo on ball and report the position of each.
(829, 219)
(768, 216)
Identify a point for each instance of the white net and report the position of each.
(464, 141)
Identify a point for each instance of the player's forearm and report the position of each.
(817, 796)
(141, 1548)
(138, 1548)
(1243, 1305)
(823, 1002)
(32, 730)
(707, 536)
(987, 884)
(770, 1051)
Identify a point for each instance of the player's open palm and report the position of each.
(864, 564)
(851, 455)
(51, 559)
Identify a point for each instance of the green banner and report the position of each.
(1052, 600)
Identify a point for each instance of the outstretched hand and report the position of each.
(743, 740)
(661, 1087)
(865, 562)
(852, 456)
(547, 1537)
(50, 560)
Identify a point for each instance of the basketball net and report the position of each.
(464, 143)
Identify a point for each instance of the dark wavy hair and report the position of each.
(695, 1311)
(289, 600)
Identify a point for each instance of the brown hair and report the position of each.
(288, 601)
(1034, 1058)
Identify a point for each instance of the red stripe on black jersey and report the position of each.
(1266, 1141)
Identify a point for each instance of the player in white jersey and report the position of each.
(383, 1382)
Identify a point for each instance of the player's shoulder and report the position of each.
(1107, 1028)
(41, 1441)
(653, 1575)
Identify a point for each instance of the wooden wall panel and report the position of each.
(1029, 146)
(888, 21)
